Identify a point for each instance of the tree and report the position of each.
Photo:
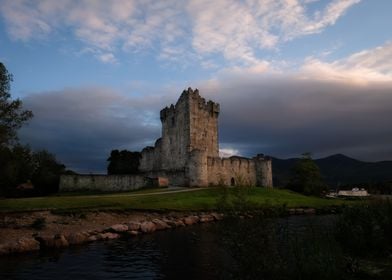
(12, 115)
(46, 175)
(18, 164)
(306, 177)
(123, 162)
(16, 167)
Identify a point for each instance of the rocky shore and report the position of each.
(43, 230)
(33, 231)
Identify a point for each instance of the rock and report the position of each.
(147, 227)
(92, 238)
(133, 232)
(118, 228)
(190, 220)
(310, 211)
(57, 241)
(22, 245)
(108, 236)
(133, 226)
(179, 223)
(176, 223)
(4, 249)
(291, 211)
(171, 223)
(77, 238)
(160, 225)
(206, 218)
(299, 211)
(217, 216)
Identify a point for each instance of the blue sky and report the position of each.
(291, 75)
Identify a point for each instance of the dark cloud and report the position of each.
(82, 126)
(286, 116)
(280, 116)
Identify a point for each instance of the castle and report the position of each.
(187, 154)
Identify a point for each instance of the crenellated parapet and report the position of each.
(187, 154)
(190, 143)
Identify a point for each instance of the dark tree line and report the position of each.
(306, 177)
(22, 171)
(123, 162)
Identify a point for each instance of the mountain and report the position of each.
(337, 170)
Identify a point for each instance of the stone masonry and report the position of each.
(188, 152)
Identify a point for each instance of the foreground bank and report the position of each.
(23, 232)
(29, 224)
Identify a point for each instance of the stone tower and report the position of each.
(191, 124)
(187, 154)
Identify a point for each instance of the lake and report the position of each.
(206, 251)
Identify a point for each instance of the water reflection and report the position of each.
(195, 252)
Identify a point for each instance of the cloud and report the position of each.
(81, 126)
(368, 65)
(262, 111)
(278, 115)
(326, 107)
(227, 152)
(239, 29)
(284, 116)
(195, 29)
(107, 58)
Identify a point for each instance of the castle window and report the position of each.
(173, 122)
(232, 182)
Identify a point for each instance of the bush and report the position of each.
(366, 230)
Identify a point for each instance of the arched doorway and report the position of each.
(232, 182)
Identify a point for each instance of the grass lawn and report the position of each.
(205, 199)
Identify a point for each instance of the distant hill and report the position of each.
(337, 170)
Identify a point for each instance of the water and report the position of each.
(194, 252)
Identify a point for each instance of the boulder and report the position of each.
(108, 236)
(92, 238)
(22, 245)
(147, 227)
(160, 225)
(133, 226)
(206, 218)
(310, 211)
(57, 241)
(179, 223)
(4, 249)
(217, 216)
(190, 220)
(118, 228)
(77, 238)
(133, 232)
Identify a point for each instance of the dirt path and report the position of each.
(170, 190)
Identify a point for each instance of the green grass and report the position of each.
(186, 201)
(139, 191)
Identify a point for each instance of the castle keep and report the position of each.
(187, 154)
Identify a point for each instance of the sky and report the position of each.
(291, 76)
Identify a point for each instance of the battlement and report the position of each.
(188, 98)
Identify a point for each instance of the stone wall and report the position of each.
(104, 183)
(231, 171)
